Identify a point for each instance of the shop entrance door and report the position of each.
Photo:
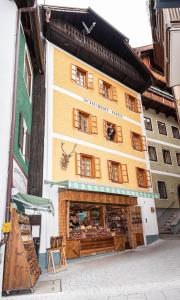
(136, 227)
(35, 222)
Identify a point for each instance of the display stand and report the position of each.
(21, 269)
(57, 246)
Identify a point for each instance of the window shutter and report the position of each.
(78, 163)
(119, 137)
(138, 106)
(75, 118)
(90, 81)
(127, 100)
(109, 165)
(132, 139)
(114, 93)
(21, 132)
(138, 177)
(94, 128)
(97, 167)
(27, 150)
(73, 72)
(101, 91)
(143, 142)
(148, 179)
(124, 172)
(105, 129)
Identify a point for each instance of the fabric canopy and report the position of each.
(34, 202)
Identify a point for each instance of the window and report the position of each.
(162, 189)
(175, 132)
(84, 122)
(27, 73)
(117, 172)
(143, 178)
(138, 142)
(88, 166)
(133, 103)
(23, 138)
(113, 132)
(81, 77)
(148, 123)
(178, 158)
(162, 128)
(107, 90)
(152, 153)
(167, 157)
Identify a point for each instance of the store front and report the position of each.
(98, 222)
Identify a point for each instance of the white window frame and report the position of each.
(26, 51)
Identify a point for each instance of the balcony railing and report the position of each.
(159, 99)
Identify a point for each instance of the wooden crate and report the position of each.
(72, 248)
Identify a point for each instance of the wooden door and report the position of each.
(135, 226)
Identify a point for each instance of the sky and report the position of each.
(129, 16)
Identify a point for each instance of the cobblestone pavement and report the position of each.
(151, 273)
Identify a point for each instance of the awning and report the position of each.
(167, 3)
(76, 185)
(34, 202)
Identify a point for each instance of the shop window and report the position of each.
(107, 90)
(81, 77)
(162, 128)
(178, 158)
(117, 172)
(23, 138)
(175, 132)
(88, 166)
(152, 153)
(113, 132)
(27, 73)
(133, 103)
(167, 157)
(138, 142)
(162, 190)
(148, 123)
(143, 178)
(84, 122)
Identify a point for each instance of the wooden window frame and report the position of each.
(174, 135)
(164, 186)
(154, 148)
(178, 159)
(88, 81)
(92, 121)
(146, 180)
(163, 153)
(95, 165)
(112, 92)
(137, 104)
(122, 172)
(145, 122)
(142, 142)
(164, 126)
(118, 137)
(29, 72)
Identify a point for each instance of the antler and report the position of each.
(72, 150)
(62, 148)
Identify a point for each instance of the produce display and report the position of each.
(89, 232)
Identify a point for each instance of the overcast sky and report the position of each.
(128, 16)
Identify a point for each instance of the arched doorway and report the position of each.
(178, 192)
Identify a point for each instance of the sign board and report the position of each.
(19, 179)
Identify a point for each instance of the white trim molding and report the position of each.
(165, 173)
(163, 143)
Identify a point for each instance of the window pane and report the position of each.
(162, 128)
(175, 132)
(152, 153)
(115, 172)
(178, 158)
(167, 157)
(148, 124)
(111, 132)
(86, 166)
(83, 122)
(162, 189)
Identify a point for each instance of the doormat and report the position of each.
(48, 286)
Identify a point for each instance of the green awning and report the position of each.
(77, 185)
(34, 202)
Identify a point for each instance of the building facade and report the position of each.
(163, 137)
(95, 160)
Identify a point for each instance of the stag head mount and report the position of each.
(65, 158)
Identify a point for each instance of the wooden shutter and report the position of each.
(90, 81)
(138, 105)
(119, 137)
(148, 178)
(101, 90)
(127, 100)
(124, 171)
(73, 72)
(143, 142)
(75, 118)
(114, 93)
(97, 167)
(27, 150)
(109, 165)
(78, 163)
(138, 177)
(94, 128)
(105, 128)
(21, 132)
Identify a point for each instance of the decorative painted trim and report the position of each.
(95, 146)
(163, 143)
(165, 173)
(94, 104)
(77, 185)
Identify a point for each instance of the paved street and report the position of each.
(151, 273)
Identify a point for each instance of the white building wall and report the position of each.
(8, 20)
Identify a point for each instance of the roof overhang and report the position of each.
(167, 4)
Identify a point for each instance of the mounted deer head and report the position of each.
(66, 157)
